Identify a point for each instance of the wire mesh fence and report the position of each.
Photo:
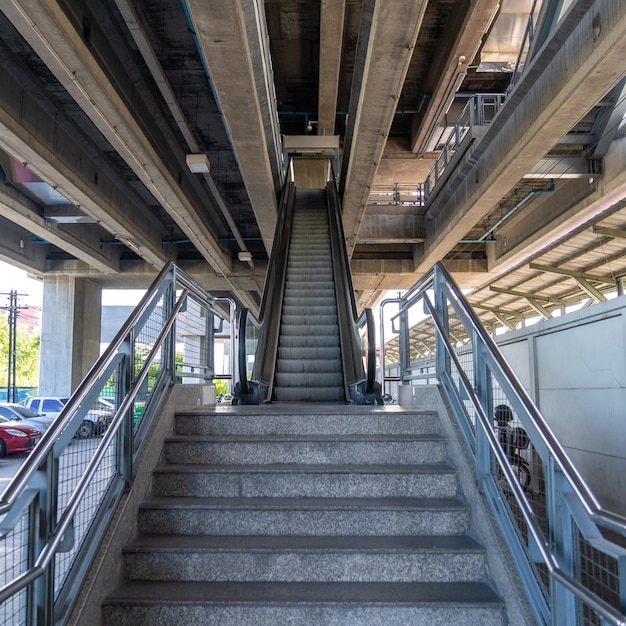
(575, 565)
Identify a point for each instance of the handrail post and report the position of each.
(564, 541)
(42, 518)
(442, 359)
(482, 389)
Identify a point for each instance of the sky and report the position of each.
(30, 290)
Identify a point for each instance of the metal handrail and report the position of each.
(580, 501)
(606, 610)
(49, 550)
(20, 497)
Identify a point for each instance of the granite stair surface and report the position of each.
(336, 515)
(309, 366)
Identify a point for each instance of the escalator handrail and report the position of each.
(265, 359)
(349, 321)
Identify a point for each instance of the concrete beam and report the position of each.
(570, 75)
(115, 107)
(221, 32)
(332, 14)
(390, 40)
(467, 25)
(82, 241)
(31, 134)
(385, 226)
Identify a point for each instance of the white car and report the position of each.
(95, 423)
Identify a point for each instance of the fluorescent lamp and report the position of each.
(198, 163)
(245, 256)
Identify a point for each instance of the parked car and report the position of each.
(17, 437)
(19, 413)
(95, 422)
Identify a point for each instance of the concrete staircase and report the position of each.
(336, 515)
(308, 367)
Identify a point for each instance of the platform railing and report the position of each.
(57, 507)
(570, 552)
(479, 111)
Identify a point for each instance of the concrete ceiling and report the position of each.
(103, 100)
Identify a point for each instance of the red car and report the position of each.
(17, 437)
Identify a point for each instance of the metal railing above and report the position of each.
(56, 508)
(570, 552)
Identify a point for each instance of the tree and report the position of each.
(27, 355)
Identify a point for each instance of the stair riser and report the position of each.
(209, 521)
(310, 452)
(253, 615)
(304, 567)
(364, 424)
(214, 484)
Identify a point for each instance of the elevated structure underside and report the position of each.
(107, 106)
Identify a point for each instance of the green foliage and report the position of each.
(221, 387)
(27, 355)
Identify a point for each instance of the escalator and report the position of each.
(309, 347)
(308, 367)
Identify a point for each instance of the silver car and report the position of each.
(19, 413)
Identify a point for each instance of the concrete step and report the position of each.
(331, 604)
(303, 516)
(305, 559)
(277, 420)
(334, 449)
(304, 481)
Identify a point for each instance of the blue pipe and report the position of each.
(528, 196)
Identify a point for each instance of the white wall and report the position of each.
(574, 367)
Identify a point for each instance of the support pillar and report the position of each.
(70, 333)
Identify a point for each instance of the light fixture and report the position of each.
(245, 256)
(198, 163)
(127, 241)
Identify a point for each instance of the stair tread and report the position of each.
(322, 593)
(271, 438)
(303, 543)
(298, 468)
(306, 504)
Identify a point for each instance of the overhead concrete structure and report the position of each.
(102, 102)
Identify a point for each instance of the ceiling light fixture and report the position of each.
(198, 163)
(127, 241)
(245, 256)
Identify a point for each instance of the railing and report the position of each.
(57, 507)
(479, 111)
(571, 553)
(405, 194)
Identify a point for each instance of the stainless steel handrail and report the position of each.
(578, 499)
(49, 550)
(602, 607)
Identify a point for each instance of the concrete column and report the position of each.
(70, 333)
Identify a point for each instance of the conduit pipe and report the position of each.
(533, 192)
